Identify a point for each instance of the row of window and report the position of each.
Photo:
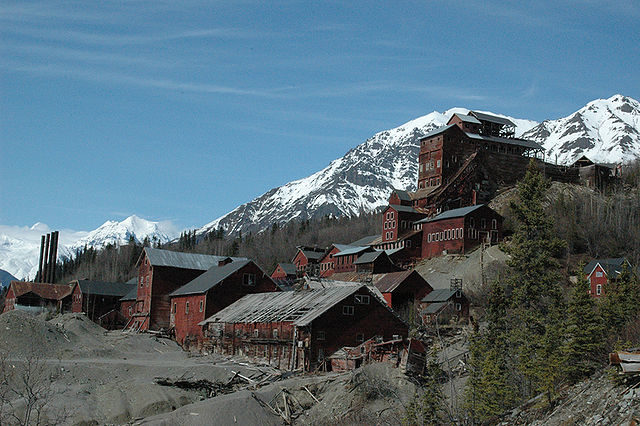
(388, 235)
(186, 307)
(397, 244)
(390, 215)
(390, 225)
(446, 235)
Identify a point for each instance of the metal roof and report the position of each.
(437, 131)
(351, 250)
(132, 295)
(439, 295)
(364, 241)
(368, 257)
(450, 214)
(312, 254)
(509, 141)
(401, 208)
(176, 259)
(299, 307)
(466, 118)
(402, 194)
(386, 283)
(103, 288)
(288, 268)
(434, 308)
(211, 278)
(611, 266)
(44, 290)
(492, 118)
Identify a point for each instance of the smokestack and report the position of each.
(51, 261)
(41, 262)
(54, 259)
(45, 267)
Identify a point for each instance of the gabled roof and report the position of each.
(288, 268)
(386, 283)
(44, 290)
(352, 250)
(402, 194)
(298, 307)
(214, 276)
(176, 259)
(450, 214)
(466, 118)
(434, 308)
(404, 209)
(492, 118)
(612, 266)
(311, 253)
(132, 295)
(103, 288)
(439, 295)
(364, 241)
(369, 257)
(439, 130)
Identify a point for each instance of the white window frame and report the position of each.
(249, 279)
(201, 305)
(347, 310)
(598, 289)
(186, 308)
(599, 274)
(361, 299)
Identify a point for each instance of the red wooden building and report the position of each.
(445, 305)
(212, 291)
(128, 302)
(36, 297)
(403, 291)
(307, 260)
(459, 230)
(600, 272)
(161, 272)
(284, 271)
(100, 301)
(300, 329)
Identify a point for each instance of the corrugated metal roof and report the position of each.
(437, 131)
(407, 209)
(176, 259)
(44, 290)
(103, 288)
(450, 214)
(402, 194)
(299, 307)
(612, 266)
(210, 279)
(312, 255)
(434, 308)
(288, 268)
(439, 295)
(386, 283)
(510, 141)
(492, 118)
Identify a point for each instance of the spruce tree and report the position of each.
(585, 333)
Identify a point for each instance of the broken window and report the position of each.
(201, 305)
(249, 279)
(186, 308)
(361, 299)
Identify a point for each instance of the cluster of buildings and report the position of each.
(332, 307)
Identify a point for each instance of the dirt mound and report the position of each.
(24, 335)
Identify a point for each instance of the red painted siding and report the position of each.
(10, 300)
(597, 278)
(76, 299)
(328, 263)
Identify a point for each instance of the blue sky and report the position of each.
(183, 110)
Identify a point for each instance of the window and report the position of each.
(256, 333)
(458, 294)
(472, 222)
(146, 280)
(249, 279)
(483, 223)
(175, 308)
(494, 224)
(395, 337)
(130, 311)
(275, 333)
(347, 310)
(186, 308)
(320, 335)
(361, 299)
(201, 305)
(438, 164)
(599, 274)
(391, 234)
(408, 243)
(359, 337)
(599, 289)
(141, 282)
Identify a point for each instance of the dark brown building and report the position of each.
(100, 301)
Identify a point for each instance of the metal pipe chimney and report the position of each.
(50, 262)
(41, 261)
(54, 257)
(45, 267)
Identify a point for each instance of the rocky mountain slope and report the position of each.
(606, 130)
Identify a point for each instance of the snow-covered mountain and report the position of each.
(361, 181)
(605, 130)
(20, 246)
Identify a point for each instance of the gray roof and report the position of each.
(492, 118)
(103, 288)
(434, 308)
(467, 118)
(611, 266)
(450, 214)
(401, 208)
(439, 295)
(402, 194)
(312, 254)
(132, 295)
(364, 241)
(176, 259)
(299, 307)
(288, 268)
(352, 250)
(437, 131)
(510, 141)
(211, 278)
(368, 257)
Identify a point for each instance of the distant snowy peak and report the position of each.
(605, 130)
(118, 233)
(358, 182)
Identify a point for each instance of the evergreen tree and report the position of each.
(585, 333)
(535, 291)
